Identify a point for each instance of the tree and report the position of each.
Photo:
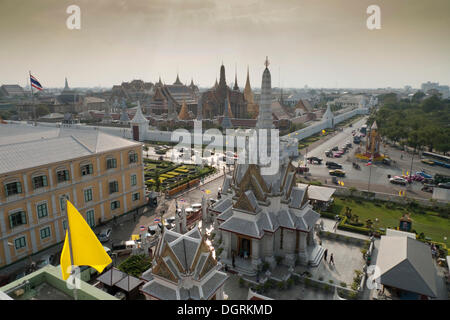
(42, 110)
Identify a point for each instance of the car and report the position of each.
(329, 153)
(170, 220)
(427, 161)
(398, 180)
(124, 247)
(423, 174)
(335, 148)
(45, 260)
(337, 155)
(333, 165)
(337, 172)
(105, 235)
(348, 144)
(197, 207)
(152, 229)
(314, 159)
(444, 185)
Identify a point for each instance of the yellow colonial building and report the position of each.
(101, 174)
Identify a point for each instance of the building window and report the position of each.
(87, 169)
(111, 163)
(133, 157)
(113, 187)
(133, 180)
(62, 202)
(39, 182)
(17, 219)
(90, 218)
(42, 210)
(62, 176)
(136, 196)
(45, 233)
(115, 205)
(20, 243)
(87, 195)
(64, 225)
(13, 188)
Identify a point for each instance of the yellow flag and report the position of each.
(86, 248)
(208, 191)
(399, 192)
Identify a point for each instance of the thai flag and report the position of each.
(369, 163)
(35, 83)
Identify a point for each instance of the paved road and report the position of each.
(378, 173)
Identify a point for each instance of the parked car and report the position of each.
(445, 185)
(333, 165)
(428, 187)
(398, 180)
(124, 247)
(348, 144)
(152, 229)
(337, 155)
(45, 260)
(427, 161)
(315, 159)
(335, 148)
(170, 219)
(337, 172)
(329, 153)
(105, 235)
(197, 207)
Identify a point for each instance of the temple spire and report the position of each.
(236, 87)
(66, 85)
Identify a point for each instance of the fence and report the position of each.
(346, 192)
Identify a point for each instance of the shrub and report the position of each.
(343, 284)
(265, 266)
(278, 259)
(135, 265)
(241, 282)
(320, 278)
(331, 281)
(307, 282)
(281, 285)
(296, 279)
(290, 283)
(326, 287)
(219, 251)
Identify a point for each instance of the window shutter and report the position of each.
(6, 191)
(91, 170)
(11, 222)
(66, 175)
(44, 181)
(23, 217)
(19, 187)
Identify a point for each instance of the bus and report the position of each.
(437, 159)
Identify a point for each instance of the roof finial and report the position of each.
(267, 62)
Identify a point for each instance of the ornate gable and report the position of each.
(244, 203)
(252, 180)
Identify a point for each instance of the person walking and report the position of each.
(331, 259)
(233, 259)
(325, 254)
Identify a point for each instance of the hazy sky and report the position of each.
(320, 43)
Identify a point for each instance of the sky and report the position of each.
(318, 43)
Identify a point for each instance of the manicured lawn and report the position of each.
(430, 224)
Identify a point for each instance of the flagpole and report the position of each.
(32, 100)
(75, 295)
(370, 173)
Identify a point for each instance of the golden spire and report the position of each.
(184, 114)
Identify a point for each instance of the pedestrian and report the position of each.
(325, 254)
(331, 259)
(257, 276)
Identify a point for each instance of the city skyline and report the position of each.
(321, 45)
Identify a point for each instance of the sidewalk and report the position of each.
(330, 225)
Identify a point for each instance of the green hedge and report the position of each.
(327, 214)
